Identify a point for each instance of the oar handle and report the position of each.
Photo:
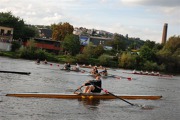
(78, 89)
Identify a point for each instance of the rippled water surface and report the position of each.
(49, 79)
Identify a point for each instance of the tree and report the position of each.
(15, 46)
(88, 50)
(20, 29)
(118, 43)
(147, 53)
(29, 32)
(150, 44)
(8, 20)
(169, 54)
(172, 44)
(127, 60)
(61, 30)
(71, 44)
(98, 51)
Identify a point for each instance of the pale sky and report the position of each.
(137, 18)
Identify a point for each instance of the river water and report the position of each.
(49, 79)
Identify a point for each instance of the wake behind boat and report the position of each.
(83, 96)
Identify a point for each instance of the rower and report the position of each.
(157, 73)
(141, 72)
(134, 71)
(68, 66)
(45, 61)
(38, 61)
(101, 67)
(152, 72)
(93, 86)
(94, 70)
(65, 66)
(104, 72)
(76, 67)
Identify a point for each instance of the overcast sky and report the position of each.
(137, 18)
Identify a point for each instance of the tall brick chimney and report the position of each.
(164, 35)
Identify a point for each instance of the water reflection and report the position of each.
(89, 103)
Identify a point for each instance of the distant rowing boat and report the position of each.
(82, 66)
(149, 74)
(83, 96)
(70, 70)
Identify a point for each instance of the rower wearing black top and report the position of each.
(69, 66)
(104, 72)
(38, 61)
(94, 71)
(93, 86)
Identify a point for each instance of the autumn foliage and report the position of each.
(61, 30)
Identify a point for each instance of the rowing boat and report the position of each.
(83, 96)
(149, 74)
(68, 70)
(92, 67)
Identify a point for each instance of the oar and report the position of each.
(83, 71)
(78, 89)
(142, 106)
(14, 72)
(107, 92)
(129, 78)
(119, 77)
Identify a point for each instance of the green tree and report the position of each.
(149, 43)
(15, 46)
(169, 54)
(98, 51)
(29, 51)
(71, 44)
(88, 50)
(29, 32)
(147, 53)
(148, 65)
(104, 60)
(172, 45)
(127, 61)
(118, 43)
(61, 30)
(20, 29)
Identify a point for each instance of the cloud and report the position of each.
(138, 18)
(166, 11)
(162, 3)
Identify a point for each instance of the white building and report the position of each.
(6, 37)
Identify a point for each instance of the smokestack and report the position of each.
(164, 35)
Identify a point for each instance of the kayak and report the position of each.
(83, 96)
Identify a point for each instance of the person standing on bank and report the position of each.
(93, 86)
